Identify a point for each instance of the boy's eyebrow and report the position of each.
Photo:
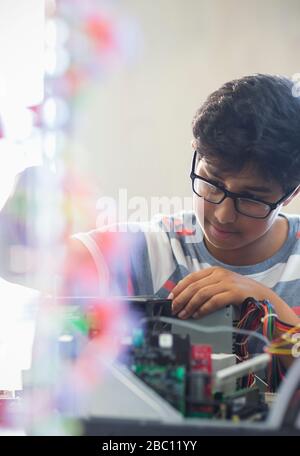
(257, 188)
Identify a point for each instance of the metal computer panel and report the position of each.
(221, 342)
(122, 395)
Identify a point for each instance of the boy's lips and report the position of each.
(221, 229)
(221, 233)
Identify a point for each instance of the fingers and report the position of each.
(198, 287)
(216, 302)
(191, 278)
(203, 292)
(209, 297)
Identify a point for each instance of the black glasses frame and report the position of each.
(235, 196)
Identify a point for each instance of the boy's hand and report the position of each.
(206, 291)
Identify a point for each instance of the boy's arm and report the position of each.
(283, 310)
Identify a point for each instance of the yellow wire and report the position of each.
(279, 352)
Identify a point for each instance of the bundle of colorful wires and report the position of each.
(260, 316)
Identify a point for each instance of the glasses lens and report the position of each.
(252, 208)
(207, 191)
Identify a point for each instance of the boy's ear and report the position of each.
(292, 196)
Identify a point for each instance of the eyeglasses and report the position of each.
(214, 193)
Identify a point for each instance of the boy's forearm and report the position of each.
(284, 312)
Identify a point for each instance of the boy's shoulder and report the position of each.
(294, 226)
(183, 223)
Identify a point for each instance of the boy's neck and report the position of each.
(256, 252)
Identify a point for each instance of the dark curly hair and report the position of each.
(255, 119)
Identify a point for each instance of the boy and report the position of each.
(246, 167)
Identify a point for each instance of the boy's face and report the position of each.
(224, 228)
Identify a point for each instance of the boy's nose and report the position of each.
(225, 212)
